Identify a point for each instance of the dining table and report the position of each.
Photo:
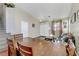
(43, 47)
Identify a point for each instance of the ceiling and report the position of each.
(43, 10)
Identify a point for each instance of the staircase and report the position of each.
(3, 38)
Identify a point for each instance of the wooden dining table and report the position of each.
(43, 47)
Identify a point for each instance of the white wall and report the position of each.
(22, 15)
(74, 28)
(13, 18)
(10, 20)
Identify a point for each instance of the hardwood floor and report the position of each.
(4, 53)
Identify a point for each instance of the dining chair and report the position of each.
(71, 51)
(24, 50)
(18, 36)
(11, 47)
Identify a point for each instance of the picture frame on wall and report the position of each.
(77, 14)
(65, 24)
(73, 17)
(33, 25)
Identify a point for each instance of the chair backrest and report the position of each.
(11, 48)
(24, 50)
(18, 36)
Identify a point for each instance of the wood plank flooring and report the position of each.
(4, 53)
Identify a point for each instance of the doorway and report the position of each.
(24, 28)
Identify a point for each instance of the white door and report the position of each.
(24, 28)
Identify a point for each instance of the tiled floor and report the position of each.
(4, 53)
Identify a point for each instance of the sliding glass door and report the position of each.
(56, 28)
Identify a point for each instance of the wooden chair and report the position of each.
(18, 36)
(71, 51)
(11, 48)
(24, 50)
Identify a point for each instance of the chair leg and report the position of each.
(17, 53)
(8, 51)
